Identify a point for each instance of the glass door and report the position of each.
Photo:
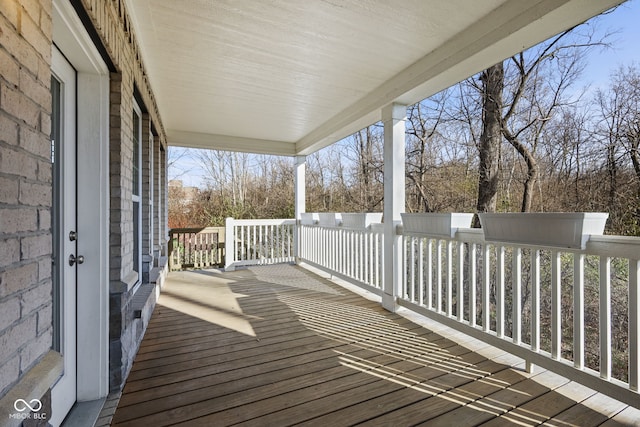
(63, 213)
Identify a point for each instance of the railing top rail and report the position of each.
(280, 221)
(610, 246)
(195, 230)
(374, 227)
(466, 235)
(614, 246)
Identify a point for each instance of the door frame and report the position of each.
(73, 40)
(64, 167)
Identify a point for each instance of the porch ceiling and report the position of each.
(292, 76)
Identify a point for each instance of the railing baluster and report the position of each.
(265, 244)
(605, 317)
(578, 311)
(367, 272)
(185, 248)
(352, 254)
(412, 275)
(332, 236)
(315, 245)
(535, 304)
(244, 248)
(344, 235)
(421, 242)
(201, 254)
(429, 273)
(449, 298)
(472, 285)
(486, 282)
(379, 264)
(500, 293)
(358, 255)
(255, 243)
(516, 293)
(337, 242)
(361, 255)
(240, 233)
(267, 238)
(460, 275)
(363, 252)
(556, 300)
(283, 243)
(449, 245)
(634, 323)
(349, 253)
(248, 243)
(438, 276)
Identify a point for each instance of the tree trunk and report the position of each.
(489, 146)
(532, 170)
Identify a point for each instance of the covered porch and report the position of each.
(275, 345)
(282, 345)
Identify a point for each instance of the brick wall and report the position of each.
(25, 187)
(26, 183)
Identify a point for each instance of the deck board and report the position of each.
(279, 345)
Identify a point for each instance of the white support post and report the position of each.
(393, 117)
(230, 246)
(299, 202)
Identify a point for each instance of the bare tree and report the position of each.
(423, 121)
(179, 162)
(366, 146)
(619, 131)
(491, 137)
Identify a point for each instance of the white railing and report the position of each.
(354, 254)
(571, 311)
(259, 241)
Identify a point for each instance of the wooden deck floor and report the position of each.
(279, 345)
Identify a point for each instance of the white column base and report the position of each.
(389, 303)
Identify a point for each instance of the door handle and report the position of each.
(75, 260)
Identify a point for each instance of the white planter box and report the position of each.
(308, 218)
(328, 219)
(436, 224)
(564, 230)
(360, 220)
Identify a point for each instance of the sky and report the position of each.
(626, 43)
(624, 21)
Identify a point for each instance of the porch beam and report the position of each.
(178, 138)
(394, 117)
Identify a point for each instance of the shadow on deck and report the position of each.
(279, 345)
